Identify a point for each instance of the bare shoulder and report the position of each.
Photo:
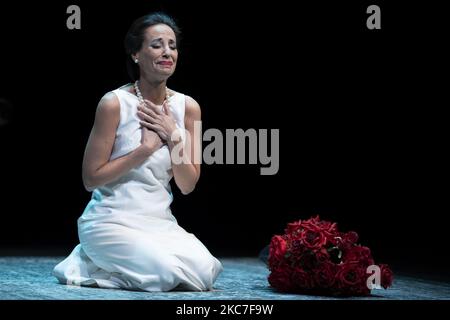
(109, 105)
(192, 108)
(108, 111)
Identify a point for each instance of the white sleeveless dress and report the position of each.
(129, 238)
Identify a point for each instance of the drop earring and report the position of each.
(136, 60)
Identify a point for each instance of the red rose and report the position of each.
(280, 278)
(302, 280)
(322, 256)
(313, 237)
(307, 260)
(293, 227)
(341, 241)
(324, 275)
(351, 236)
(296, 248)
(310, 223)
(386, 276)
(358, 254)
(277, 250)
(351, 278)
(313, 256)
(328, 227)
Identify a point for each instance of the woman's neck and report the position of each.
(153, 90)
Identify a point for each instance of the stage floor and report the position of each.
(30, 278)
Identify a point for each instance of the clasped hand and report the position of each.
(160, 121)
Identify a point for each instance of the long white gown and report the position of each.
(128, 236)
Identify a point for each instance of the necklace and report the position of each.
(139, 94)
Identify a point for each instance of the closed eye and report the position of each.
(157, 43)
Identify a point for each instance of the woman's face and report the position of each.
(158, 55)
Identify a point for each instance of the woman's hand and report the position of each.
(161, 122)
(150, 141)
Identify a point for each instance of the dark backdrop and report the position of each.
(361, 131)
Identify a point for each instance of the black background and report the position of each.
(360, 114)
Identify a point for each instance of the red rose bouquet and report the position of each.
(313, 257)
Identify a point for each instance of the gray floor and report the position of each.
(30, 278)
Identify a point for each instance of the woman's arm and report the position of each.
(187, 173)
(97, 169)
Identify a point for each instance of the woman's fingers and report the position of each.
(153, 107)
(160, 121)
(155, 128)
(165, 109)
(148, 111)
(151, 126)
(146, 117)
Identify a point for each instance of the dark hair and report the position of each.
(135, 37)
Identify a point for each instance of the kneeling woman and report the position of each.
(128, 236)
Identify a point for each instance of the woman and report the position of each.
(128, 236)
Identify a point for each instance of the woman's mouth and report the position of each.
(166, 63)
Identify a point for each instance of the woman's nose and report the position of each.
(167, 51)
